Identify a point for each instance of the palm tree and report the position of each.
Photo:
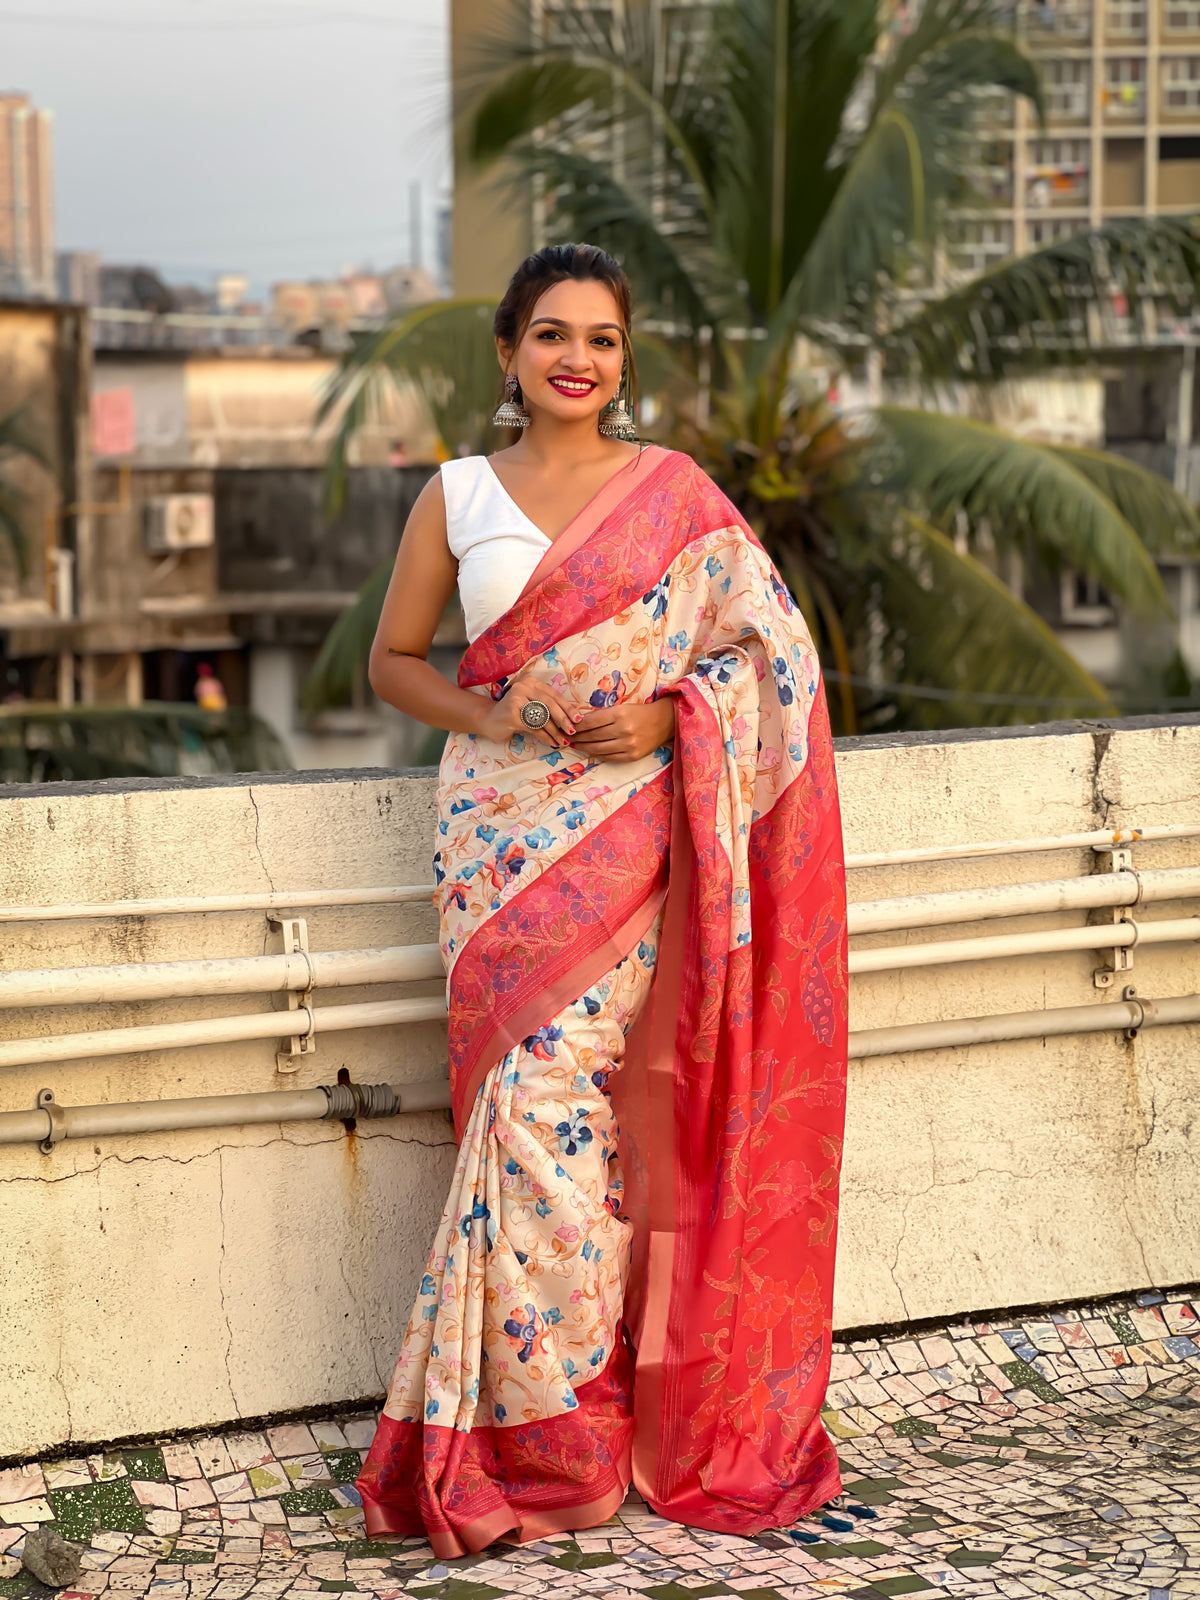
(793, 176)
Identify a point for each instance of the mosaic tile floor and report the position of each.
(1056, 1456)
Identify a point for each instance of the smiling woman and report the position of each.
(642, 902)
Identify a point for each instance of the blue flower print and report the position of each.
(785, 683)
(539, 839)
(585, 1249)
(781, 593)
(596, 1357)
(541, 1044)
(554, 1315)
(569, 1367)
(588, 1005)
(574, 1133)
(722, 668)
(499, 1412)
(542, 1206)
(601, 1076)
(439, 875)
(428, 1286)
(679, 641)
(552, 757)
(522, 1330)
(647, 954)
(569, 1401)
(457, 898)
(486, 832)
(460, 806)
(712, 566)
(655, 600)
(608, 691)
(429, 1314)
(431, 1410)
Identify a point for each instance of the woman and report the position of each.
(639, 867)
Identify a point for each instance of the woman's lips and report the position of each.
(578, 387)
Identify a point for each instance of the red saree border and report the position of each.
(462, 1490)
(555, 938)
(620, 560)
(606, 500)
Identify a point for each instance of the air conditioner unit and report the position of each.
(179, 522)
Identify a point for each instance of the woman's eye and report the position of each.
(549, 333)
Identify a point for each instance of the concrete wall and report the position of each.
(189, 1279)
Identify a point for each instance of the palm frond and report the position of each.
(443, 353)
(953, 627)
(18, 439)
(347, 645)
(1056, 304)
(1166, 521)
(1024, 490)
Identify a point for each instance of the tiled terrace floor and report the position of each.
(1056, 1456)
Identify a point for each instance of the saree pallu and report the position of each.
(649, 1304)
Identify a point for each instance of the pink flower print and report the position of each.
(568, 1233)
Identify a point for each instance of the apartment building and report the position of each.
(27, 267)
(1122, 131)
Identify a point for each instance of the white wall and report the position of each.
(169, 1281)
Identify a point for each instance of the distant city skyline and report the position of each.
(278, 138)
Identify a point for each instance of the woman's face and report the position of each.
(569, 360)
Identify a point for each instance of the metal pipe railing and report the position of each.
(1017, 847)
(947, 952)
(961, 1032)
(1124, 888)
(50, 1122)
(160, 980)
(181, 905)
(301, 1023)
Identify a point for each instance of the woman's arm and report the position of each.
(422, 583)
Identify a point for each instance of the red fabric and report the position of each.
(743, 1125)
(463, 1490)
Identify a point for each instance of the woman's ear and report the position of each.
(504, 355)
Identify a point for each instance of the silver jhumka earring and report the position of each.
(511, 412)
(616, 420)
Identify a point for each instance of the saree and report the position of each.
(632, 1280)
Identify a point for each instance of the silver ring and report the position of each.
(535, 713)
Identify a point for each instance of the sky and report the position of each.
(273, 137)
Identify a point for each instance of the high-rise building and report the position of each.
(1121, 80)
(26, 199)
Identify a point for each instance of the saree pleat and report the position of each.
(649, 1302)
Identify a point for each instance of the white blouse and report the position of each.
(495, 544)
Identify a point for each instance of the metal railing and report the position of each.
(298, 972)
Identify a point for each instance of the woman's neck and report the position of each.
(550, 442)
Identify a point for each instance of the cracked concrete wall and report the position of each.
(172, 1281)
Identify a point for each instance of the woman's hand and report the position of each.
(502, 719)
(625, 733)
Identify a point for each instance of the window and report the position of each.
(1067, 19)
(1057, 173)
(1181, 16)
(980, 245)
(1125, 88)
(1067, 85)
(1180, 84)
(1051, 230)
(1084, 602)
(1126, 19)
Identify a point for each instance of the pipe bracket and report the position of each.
(56, 1130)
(295, 943)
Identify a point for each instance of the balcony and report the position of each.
(192, 964)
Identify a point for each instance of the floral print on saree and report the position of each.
(703, 1230)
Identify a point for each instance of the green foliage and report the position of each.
(46, 744)
(17, 441)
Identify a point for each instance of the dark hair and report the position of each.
(556, 263)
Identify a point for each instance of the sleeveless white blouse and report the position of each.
(495, 544)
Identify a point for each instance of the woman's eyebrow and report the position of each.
(557, 322)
